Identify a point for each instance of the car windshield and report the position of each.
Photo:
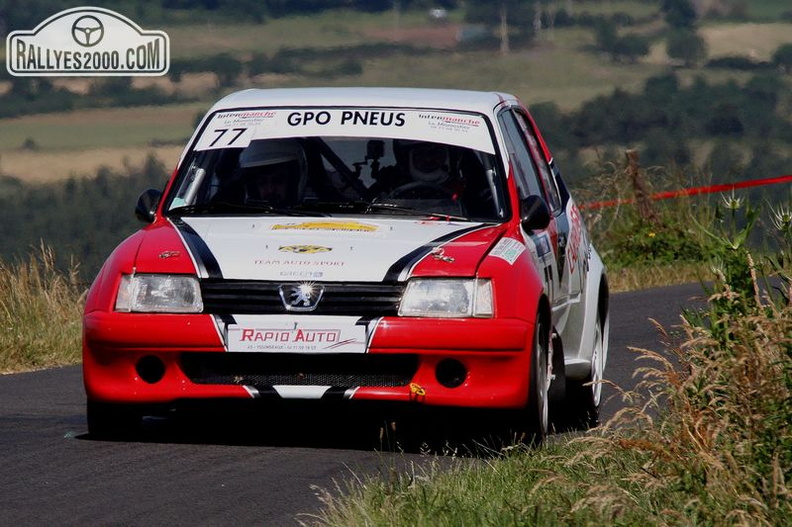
(332, 175)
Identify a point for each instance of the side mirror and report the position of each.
(534, 214)
(146, 206)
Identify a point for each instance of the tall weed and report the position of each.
(712, 420)
(40, 313)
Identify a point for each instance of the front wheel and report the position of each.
(531, 424)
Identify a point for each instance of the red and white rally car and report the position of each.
(412, 246)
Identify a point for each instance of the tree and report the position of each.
(661, 89)
(630, 48)
(503, 30)
(766, 161)
(679, 13)
(766, 89)
(606, 34)
(225, 67)
(687, 46)
(18, 14)
(782, 58)
(726, 120)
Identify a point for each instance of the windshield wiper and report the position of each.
(224, 207)
(400, 209)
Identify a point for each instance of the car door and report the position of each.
(571, 252)
(534, 176)
(543, 244)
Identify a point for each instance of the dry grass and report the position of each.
(753, 40)
(40, 313)
(712, 419)
(757, 41)
(50, 167)
(649, 276)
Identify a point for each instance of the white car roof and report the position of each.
(460, 100)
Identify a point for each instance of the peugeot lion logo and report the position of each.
(87, 31)
(300, 297)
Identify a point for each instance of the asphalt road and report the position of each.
(227, 469)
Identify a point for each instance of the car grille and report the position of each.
(345, 298)
(270, 369)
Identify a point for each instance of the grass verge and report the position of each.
(40, 313)
(704, 439)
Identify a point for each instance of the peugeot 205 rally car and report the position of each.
(407, 246)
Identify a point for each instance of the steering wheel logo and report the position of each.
(87, 31)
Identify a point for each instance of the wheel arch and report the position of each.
(596, 302)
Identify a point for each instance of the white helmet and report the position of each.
(429, 162)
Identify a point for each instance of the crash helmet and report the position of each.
(429, 162)
(274, 170)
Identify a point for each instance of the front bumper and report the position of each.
(169, 359)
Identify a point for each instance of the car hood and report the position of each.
(333, 249)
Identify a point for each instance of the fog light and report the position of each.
(151, 369)
(451, 373)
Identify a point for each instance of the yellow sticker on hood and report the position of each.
(347, 226)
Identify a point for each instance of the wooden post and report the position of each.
(640, 187)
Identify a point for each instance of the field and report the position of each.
(757, 41)
(77, 143)
(559, 67)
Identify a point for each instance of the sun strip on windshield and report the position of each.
(237, 128)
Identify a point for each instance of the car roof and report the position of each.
(460, 100)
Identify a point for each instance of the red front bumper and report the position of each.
(494, 353)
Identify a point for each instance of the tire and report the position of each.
(538, 409)
(531, 424)
(584, 397)
(113, 421)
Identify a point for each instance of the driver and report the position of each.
(269, 183)
(418, 163)
(274, 171)
(429, 163)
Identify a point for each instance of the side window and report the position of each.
(551, 192)
(524, 169)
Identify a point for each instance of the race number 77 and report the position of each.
(223, 131)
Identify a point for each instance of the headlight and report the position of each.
(447, 297)
(159, 293)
